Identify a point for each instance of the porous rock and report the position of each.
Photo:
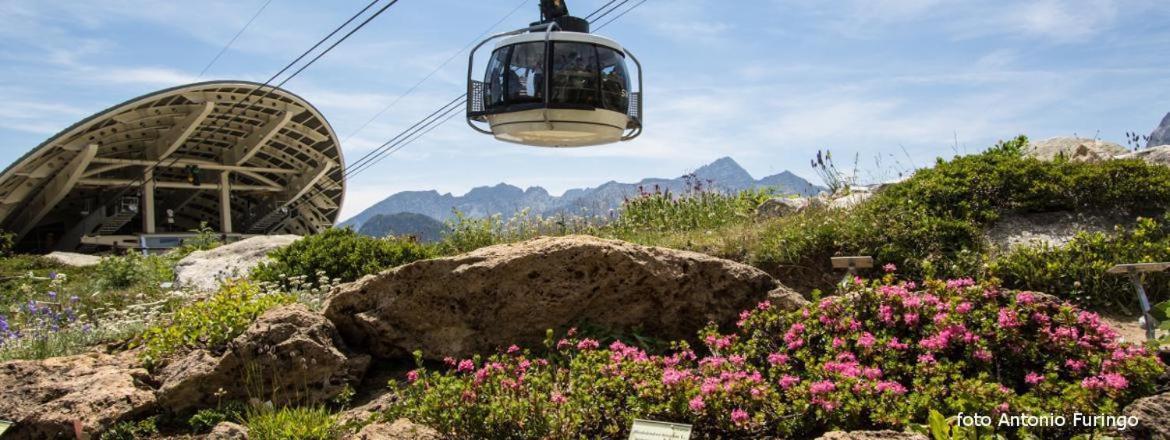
(289, 355)
(1159, 155)
(1074, 149)
(205, 270)
(780, 207)
(1153, 414)
(46, 398)
(401, 429)
(228, 431)
(500, 295)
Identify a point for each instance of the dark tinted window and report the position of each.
(574, 74)
(493, 93)
(615, 81)
(525, 73)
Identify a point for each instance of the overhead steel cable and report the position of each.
(436, 70)
(416, 131)
(148, 173)
(609, 11)
(590, 16)
(234, 38)
(620, 15)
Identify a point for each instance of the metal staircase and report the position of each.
(266, 222)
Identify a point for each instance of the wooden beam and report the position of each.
(259, 137)
(178, 134)
(177, 185)
(306, 181)
(182, 163)
(54, 190)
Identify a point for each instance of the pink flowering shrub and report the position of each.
(878, 356)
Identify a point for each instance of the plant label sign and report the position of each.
(652, 430)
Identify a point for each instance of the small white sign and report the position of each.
(652, 430)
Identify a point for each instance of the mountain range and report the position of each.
(724, 174)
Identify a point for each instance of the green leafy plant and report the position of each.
(878, 355)
(205, 238)
(302, 423)
(1077, 269)
(133, 269)
(210, 323)
(132, 430)
(338, 254)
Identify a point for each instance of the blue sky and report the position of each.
(767, 82)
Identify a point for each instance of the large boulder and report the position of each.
(401, 429)
(1161, 135)
(228, 431)
(512, 293)
(46, 398)
(1074, 148)
(1159, 155)
(74, 259)
(1153, 414)
(289, 355)
(780, 207)
(205, 270)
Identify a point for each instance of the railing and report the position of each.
(636, 105)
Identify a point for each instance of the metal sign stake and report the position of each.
(1134, 271)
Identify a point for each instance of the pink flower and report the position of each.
(587, 344)
(697, 404)
(891, 387)
(886, 314)
(822, 387)
(897, 345)
(1025, 298)
(890, 268)
(1033, 378)
(787, 381)
(872, 373)
(910, 318)
(1076, 365)
(558, 398)
(450, 361)
(412, 376)
(739, 416)
(777, 358)
(983, 355)
(672, 376)
(926, 358)
(960, 283)
(963, 308)
(466, 366)
(866, 340)
(563, 344)
(513, 349)
(1007, 318)
(764, 305)
(838, 342)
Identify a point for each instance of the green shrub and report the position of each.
(205, 238)
(983, 186)
(133, 269)
(312, 423)
(1076, 270)
(139, 430)
(663, 212)
(338, 254)
(465, 234)
(881, 355)
(6, 243)
(206, 419)
(210, 323)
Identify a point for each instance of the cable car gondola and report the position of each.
(586, 100)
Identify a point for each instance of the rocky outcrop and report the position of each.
(1153, 414)
(872, 435)
(1156, 155)
(205, 270)
(1075, 149)
(228, 431)
(499, 295)
(1161, 135)
(401, 429)
(46, 398)
(74, 259)
(289, 355)
(1051, 228)
(780, 207)
(851, 198)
